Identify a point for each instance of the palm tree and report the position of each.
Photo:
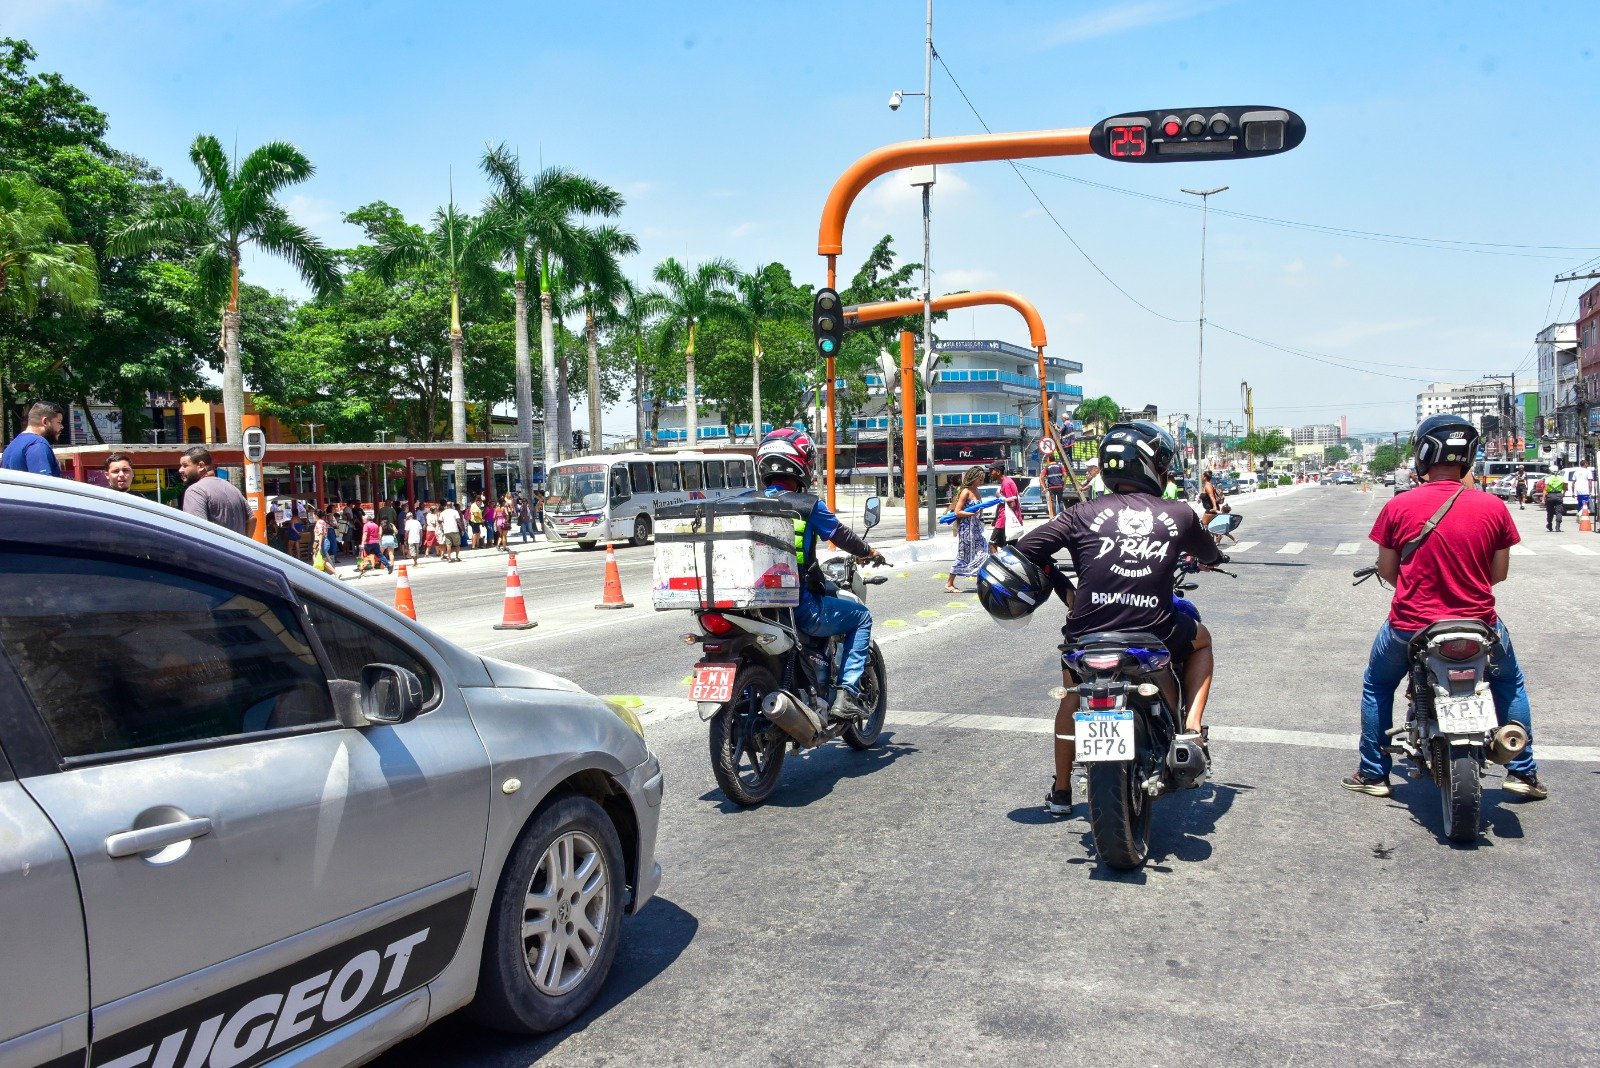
(687, 300)
(1098, 412)
(461, 248)
(237, 206)
(601, 284)
(37, 261)
(632, 322)
(538, 219)
(763, 295)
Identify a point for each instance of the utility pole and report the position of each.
(1506, 407)
(927, 271)
(1205, 196)
(313, 428)
(1250, 425)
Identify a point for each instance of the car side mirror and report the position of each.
(390, 694)
(871, 512)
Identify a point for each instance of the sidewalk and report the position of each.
(472, 560)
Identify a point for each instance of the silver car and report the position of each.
(248, 815)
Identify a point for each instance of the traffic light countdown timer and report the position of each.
(1184, 135)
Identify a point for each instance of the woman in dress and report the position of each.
(970, 549)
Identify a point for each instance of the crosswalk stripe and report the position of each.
(1243, 546)
(1293, 548)
(1522, 550)
(1579, 550)
(1347, 548)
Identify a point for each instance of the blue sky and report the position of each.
(724, 124)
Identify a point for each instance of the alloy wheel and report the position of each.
(564, 918)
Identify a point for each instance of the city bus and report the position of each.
(594, 499)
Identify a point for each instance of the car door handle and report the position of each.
(145, 839)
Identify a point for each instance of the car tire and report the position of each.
(641, 531)
(572, 850)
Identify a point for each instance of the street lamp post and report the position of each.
(312, 427)
(1205, 196)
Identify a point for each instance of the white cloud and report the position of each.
(1338, 262)
(1033, 213)
(314, 213)
(1352, 333)
(744, 229)
(894, 191)
(957, 279)
(1120, 18)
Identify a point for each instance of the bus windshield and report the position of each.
(576, 488)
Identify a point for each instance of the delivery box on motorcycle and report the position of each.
(736, 552)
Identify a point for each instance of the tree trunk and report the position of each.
(232, 365)
(525, 382)
(890, 410)
(564, 402)
(755, 391)
(691, 400)
(638, 401)
(458, 408)
(547, 352)
(596, 443)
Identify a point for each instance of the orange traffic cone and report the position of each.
(515, 616)
(1585, 520)
(613, 593)
(402, 595)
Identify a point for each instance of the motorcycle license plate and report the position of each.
(713, 682)
(1464, 715)
(1103, 736)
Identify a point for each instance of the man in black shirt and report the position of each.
(1125, 548)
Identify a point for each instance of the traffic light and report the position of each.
(1239, 132)
(827, 322)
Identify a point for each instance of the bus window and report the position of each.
(713, 474)
(620, 490)
(643, 478)
(667, 477)
(691, 475)
(736, 474)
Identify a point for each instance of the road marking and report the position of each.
(1293, 548)
(1522, 550)
(1242, 547)
(1347, 548)
(660, 709)
(1579, 550)
(929, 613)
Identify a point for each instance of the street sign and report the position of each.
(255, 444)
(1047, 447)
(1184, 135)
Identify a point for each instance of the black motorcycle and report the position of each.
(764, 686)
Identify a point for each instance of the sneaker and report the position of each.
(1363, 785)
(1525, 786)
(1058, 802)
(846, 705)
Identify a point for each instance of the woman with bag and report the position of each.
(970, 553)
(1008, 517)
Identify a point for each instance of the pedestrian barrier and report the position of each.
(402, 595)
(515, 614)
(612, 597)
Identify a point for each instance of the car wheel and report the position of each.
(641, 531)
(556, 921)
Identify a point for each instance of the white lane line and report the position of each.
(1293, 548)
(1579, 550)
(1522, 550)
(1347, 548)
(1242, 547)
(660, 709)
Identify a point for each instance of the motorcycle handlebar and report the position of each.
(1362, 574)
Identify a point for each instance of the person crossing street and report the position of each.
(1555, 500)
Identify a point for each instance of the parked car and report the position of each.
(1505, 487)
(245, 804)
(1033, 503)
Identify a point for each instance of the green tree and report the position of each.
(38, 261)
(538, 220)
(688, 300)
(1386, 458)
(1335, 454)
(1097, 412)
(765, 294)
(597, 270)
(237, 207)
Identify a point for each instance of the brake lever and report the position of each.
(1363, 574)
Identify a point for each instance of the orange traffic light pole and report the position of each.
(971, 148)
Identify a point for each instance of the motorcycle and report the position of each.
(765, 687)
(1128, 729)
(1451, 726)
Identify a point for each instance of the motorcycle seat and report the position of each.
(1119, 638)
(1484, 633)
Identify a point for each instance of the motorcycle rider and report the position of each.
(1451, 576)
(784, 463)
(1125, 548)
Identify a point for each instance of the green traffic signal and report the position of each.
(827, 325)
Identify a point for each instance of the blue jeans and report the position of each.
(1387, 668)
(822, 616)
(527, 529)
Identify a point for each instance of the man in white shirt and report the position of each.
(414, 537)
(1583, 488)
(450, 530)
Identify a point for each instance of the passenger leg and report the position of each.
(1197, 674)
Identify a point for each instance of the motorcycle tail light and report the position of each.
(715, 623)
(1103, 662)
(1102, 703)
(1465, 675)
(1460, 648)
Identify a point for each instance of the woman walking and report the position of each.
(970, 550)
(502, 524)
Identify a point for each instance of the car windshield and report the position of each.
(576, 488)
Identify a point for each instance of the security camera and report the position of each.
(896, 98)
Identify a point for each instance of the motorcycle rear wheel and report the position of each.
(864, 732)
(1460, 794)
(747, 749)
(1119, 815)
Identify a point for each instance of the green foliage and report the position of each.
(38, 259)
(1335, 454)
(1263, 443)
(1386, 458)
(1098, 412)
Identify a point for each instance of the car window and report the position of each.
(667, 477)
(691, 475)
(644, 479)
(351, 645)
(713, 474)
(738, 474)
(120, 655)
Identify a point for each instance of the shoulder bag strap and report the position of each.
(1409, 549)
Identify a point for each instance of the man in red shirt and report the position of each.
(1450, 576)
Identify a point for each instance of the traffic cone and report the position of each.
(402, 595)
(1585, 521)
(515, 616)
(613, 593)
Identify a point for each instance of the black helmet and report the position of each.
(1137, 452)
(1010, 586)
(1445, 439)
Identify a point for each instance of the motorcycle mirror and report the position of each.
(870, 513)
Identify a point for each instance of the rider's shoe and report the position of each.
(1059, 802)
(1361, 784)
(846, 705)
(1525, 786)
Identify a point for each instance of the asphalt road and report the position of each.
(912, 905)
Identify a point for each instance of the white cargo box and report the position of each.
(737, 552)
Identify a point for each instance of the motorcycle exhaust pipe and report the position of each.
(1506, 743)
(1187, 760)
(792, 717)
